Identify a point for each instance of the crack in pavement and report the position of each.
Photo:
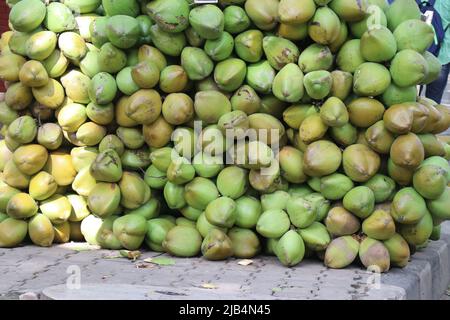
(21, 286)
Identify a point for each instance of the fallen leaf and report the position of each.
(161, 261)
(79, 246)
(276, 290)
(143, 266)
(112, 256)
(245, 262)
(208, 286)
(132, 255)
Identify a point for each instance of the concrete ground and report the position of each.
(72, 272)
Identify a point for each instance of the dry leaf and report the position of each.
(112, 256)
(144, 266)
(132, 255)
(79, 246)
(161, 261)
(245, 262)
(209, 286)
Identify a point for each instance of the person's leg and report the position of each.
(435, 90)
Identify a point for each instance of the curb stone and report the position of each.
(427, 276)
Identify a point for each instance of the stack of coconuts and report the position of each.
(105, 97)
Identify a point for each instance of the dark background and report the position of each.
(4, 12)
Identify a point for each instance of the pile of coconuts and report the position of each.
(127, 124)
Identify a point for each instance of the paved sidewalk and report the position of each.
(33, 269)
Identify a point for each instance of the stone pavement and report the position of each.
(35, 269)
